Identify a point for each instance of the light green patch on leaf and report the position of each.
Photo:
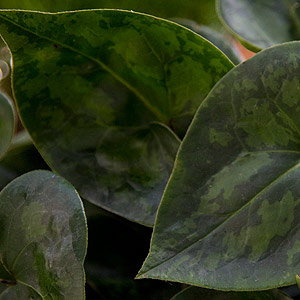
(264, 130)
(217, 64)
(271, 79)
(32, 217)
(212, 261)
(218, 39)
(276, 220)
(249, 85)
(223, 138)
(290, 95)
(224, 183)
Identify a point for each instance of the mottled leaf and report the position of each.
(229, 218)
(219, 40)
(193, 293)
(42, 239)
(261, 23)
(96, 89)
(7, 122)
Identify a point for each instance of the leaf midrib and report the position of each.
(229, 218)
(145, 101)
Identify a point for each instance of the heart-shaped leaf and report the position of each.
(7, 123)
(193, 293)
(93, 88)
(42, 239)
(261, 23)
(230, 215)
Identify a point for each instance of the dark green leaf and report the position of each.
(229, 218)
(219, 40)
(42, 239)
(261, 23)
(193, 293)
(7, 122)
(93, 88)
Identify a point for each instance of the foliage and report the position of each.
(261, 23)
(154, 126)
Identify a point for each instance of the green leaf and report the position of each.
(205, 12)
(261, 23)
(97, 89)
(219, 40)
(229, 218)
(43, 239)
(193, 293)
(7, 123)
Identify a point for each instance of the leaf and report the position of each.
(193, 293)
(229, 218)
(95, 103)
(205, 12)
(7, 123)
(261, 23)
(216, 38)
(43, 239)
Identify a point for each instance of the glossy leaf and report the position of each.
(7, 123)
(229, 218)
(193, 293)
(261, 23)
(219, 40)
(43, 239)
(93, 89)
